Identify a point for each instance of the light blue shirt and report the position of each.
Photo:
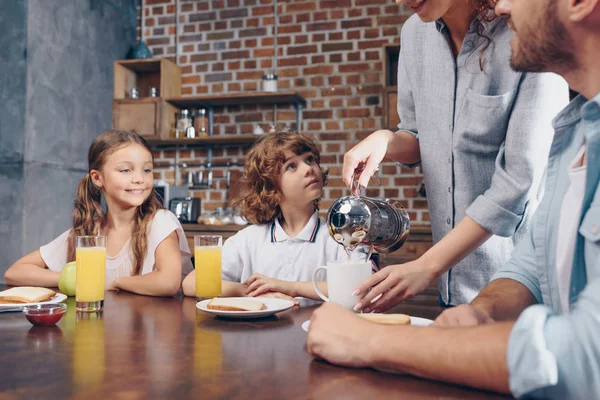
(484, 137)
(552, 355)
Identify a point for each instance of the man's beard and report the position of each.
(547, 49)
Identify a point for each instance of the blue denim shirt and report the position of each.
(552, 355)
(484, 137)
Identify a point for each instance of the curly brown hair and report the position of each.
(88, 216)
(260, 199)
(484, 8)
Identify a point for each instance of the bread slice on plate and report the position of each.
(26, 294)
(388, 319)
(235, 304)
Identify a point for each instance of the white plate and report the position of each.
(414, 321)
(272, 306)
(58, 298)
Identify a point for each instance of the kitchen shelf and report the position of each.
(231, 99)
(218, 140)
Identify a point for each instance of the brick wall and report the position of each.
(330, 51)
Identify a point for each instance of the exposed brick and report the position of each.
(357, 23)
(327, 47)
(200, 17)
(233, 13)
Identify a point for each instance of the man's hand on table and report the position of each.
(340, 337)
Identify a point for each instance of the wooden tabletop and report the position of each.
(144, 347)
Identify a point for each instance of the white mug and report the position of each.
(342, 279)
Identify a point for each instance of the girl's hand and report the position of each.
(113, 285)
(259, 284)
(278, 295)
(394, 284)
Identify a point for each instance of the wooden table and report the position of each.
(144, 347)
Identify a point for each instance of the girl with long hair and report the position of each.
(147, 252)
(480, 132)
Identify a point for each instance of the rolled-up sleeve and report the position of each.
(519, 164)
(522, 265)
(554, 356)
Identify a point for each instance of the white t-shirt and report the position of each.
(54, 253)
(268, 250)
(570, 214)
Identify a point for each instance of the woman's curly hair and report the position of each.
(484, 9)
(261, 196)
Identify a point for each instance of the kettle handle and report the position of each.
(354, 187)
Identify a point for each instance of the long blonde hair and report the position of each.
(88, 216)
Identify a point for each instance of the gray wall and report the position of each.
(58, 56)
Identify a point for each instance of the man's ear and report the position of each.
(578, 10)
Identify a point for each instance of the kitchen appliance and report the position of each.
(186, 209)
(166, 192)
(382, 224)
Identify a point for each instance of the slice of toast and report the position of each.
(26, 294)
(235, 304)
(388, 319)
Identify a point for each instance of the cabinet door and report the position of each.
(390, 108)
(141, 116)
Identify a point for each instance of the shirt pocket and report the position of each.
(590, 230)
(482, 122)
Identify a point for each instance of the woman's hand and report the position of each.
(259, 284)
(370, 152)
(394, 284)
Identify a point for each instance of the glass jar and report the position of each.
(201, 122)
(183, 121)
(269, 83)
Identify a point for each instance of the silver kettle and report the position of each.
(354, 220)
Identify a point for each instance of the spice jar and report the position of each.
(269, 83)
(201, 122)
(184, 121)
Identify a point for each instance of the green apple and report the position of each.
(66, 280)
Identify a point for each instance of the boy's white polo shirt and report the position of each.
(268, 250)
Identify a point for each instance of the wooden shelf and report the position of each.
(142, 65)
(289, 97)
(222, 140)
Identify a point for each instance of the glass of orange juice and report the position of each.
(90, 265)
(207, 253)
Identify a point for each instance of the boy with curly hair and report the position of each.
(276, 256)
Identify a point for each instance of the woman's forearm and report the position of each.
(456, 245)
(403, 147)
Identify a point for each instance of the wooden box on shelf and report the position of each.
(150, 117)
(160, 73)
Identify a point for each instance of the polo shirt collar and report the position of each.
(308, 233)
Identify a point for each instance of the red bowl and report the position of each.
(45, 314)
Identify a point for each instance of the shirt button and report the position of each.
(450, 160)
(449, 189)
(448, 221)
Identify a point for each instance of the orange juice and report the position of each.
(208, 271)
(91, 271)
